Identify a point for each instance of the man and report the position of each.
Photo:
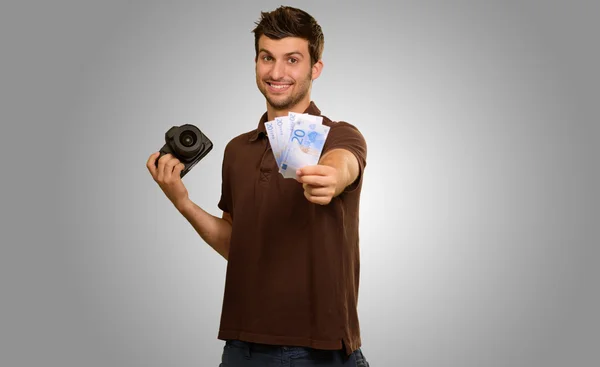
(291, 287)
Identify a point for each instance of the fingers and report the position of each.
(315, 180)
(166, 165)
(177, 170)
(319, 183)
(168, 169)
(151, 165)
(318, 191)
(316, 170)
(321, 200)
(161, 167)
(318, 175)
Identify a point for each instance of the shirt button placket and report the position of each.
(265, 165)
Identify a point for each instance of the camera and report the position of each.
(186, 143)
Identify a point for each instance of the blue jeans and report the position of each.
(243, 354)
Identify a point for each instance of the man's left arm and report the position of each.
(336, 170)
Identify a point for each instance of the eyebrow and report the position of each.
(287, 54)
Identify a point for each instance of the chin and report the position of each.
(280, 105)
(279, 101)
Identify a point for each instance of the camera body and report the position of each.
(186, 143)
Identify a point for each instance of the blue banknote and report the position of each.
(270, 128)
(304, 146)
(282, 135)
(299, 129)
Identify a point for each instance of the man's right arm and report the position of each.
(214, 230)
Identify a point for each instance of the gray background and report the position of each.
(480, 210)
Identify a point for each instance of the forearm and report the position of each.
(346, 166)
(215, 231)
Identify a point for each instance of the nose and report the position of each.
(278, 70)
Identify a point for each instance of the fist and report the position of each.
(319, 183)
(168, 176)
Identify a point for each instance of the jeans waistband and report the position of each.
(298, 351)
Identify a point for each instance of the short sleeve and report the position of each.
(343, 135)
(225, 200)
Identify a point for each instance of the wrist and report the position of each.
(341, 175)
(183, 206)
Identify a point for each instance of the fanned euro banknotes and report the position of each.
(296, 140)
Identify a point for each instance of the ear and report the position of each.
(316, 69)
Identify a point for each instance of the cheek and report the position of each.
(260, 71)
(301, 74)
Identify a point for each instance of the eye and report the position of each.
(293, 60)
(267, 58)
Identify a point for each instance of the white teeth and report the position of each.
(279, 86)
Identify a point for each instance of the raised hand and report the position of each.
(167, 175)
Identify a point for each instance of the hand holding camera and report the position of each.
(184, 147)
(166, 172)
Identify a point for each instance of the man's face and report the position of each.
(283, 71)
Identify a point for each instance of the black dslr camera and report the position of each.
(186, 143)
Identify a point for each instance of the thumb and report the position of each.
(299, 174)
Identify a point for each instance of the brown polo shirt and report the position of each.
(293, 269)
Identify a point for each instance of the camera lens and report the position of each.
(187, 141)
(187, 138)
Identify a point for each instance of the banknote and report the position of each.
(270, 128)
(292, 119)
(295, 117)
(282, 135)
(303, 148)
(285, 131)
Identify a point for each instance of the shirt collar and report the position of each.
(260, 131)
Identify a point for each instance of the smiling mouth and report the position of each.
(278, 86)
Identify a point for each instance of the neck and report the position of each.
(300, 107)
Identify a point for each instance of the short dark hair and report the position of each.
(287, 21)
